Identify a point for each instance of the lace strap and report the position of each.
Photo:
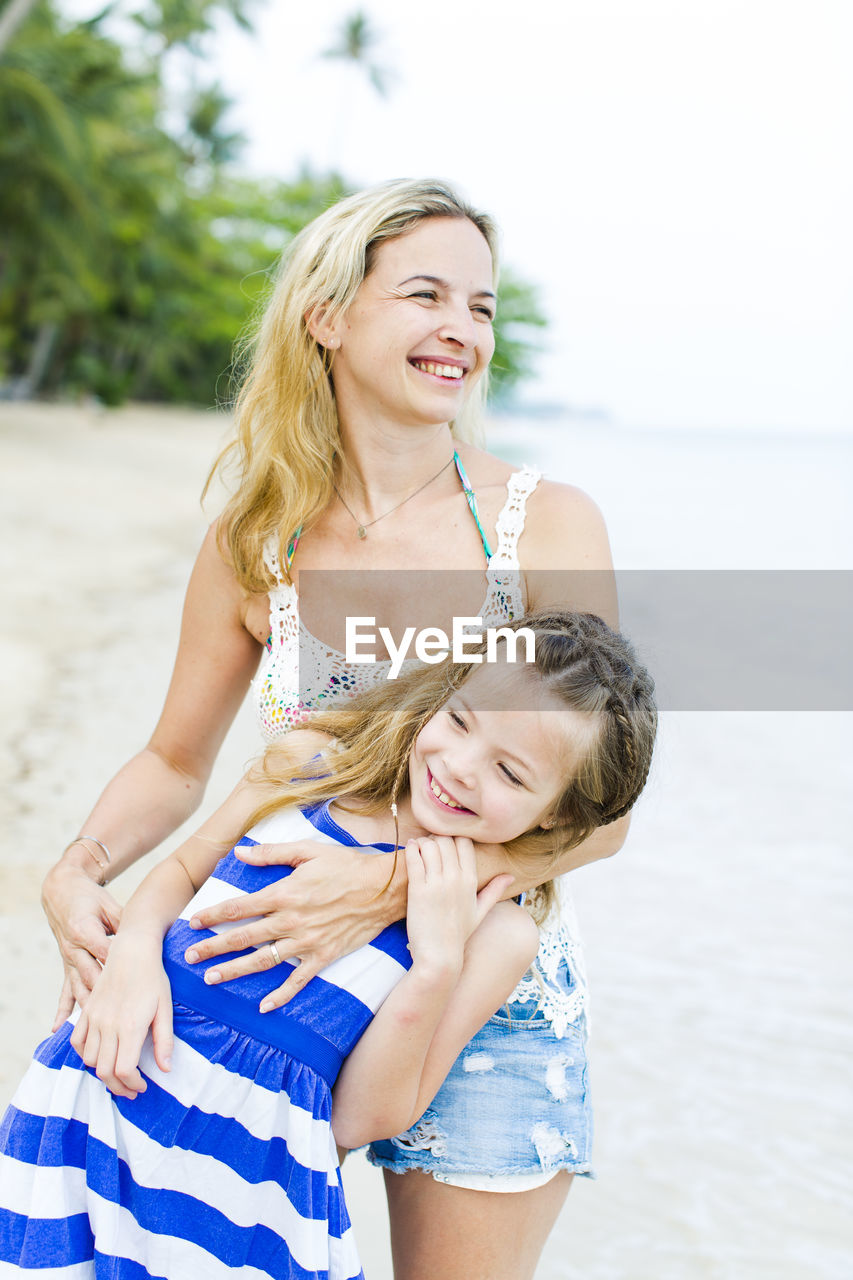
(510, 522)
(271, 560)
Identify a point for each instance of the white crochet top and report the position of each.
(286, 694)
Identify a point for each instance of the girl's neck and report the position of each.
(375, 828)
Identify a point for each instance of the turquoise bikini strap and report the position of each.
(291, 548)
(471, 499)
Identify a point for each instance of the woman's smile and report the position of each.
(441, 369)
(418, 336)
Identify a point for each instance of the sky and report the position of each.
(675, 177)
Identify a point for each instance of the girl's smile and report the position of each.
(443, 798)
(493, 761)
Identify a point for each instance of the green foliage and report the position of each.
(186, 22)
(131, 256)
(518, 311)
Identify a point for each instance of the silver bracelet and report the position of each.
(100, 845)
(82, 840)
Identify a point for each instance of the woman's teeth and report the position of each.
(440, 370)
(443, 797)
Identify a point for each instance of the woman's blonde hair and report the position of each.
(578, 658)
(287, 423)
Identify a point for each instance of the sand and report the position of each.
(718, 941)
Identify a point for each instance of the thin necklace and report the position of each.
(361, 529)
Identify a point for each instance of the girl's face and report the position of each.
(493, 761)
(419, 333)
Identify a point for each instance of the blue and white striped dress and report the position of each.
(226, 1165)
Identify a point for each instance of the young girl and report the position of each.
(209, 1144)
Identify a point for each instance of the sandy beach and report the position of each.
(718, 942)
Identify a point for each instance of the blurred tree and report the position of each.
(208, 140)
(185, 22)
(130, 254)
(12, 15)
(519, 313)
(356, 44)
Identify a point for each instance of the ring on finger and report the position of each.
(274, 952)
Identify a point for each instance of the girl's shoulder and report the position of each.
(304, 744)
(286, 757)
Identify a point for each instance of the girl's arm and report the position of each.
(160, 787)
(467, 956)
(132, 992)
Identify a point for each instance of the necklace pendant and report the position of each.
(361, 532)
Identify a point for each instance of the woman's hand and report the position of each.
(131, 995)
(83, 916)
(444, 907)
(335, 900)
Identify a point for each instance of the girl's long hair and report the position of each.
(578, 658)
(287, 423)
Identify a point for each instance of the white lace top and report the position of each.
(286, 694)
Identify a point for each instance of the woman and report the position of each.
(367, 374)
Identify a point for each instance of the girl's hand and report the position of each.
(83, 916)
(335, 900)
(131, 996)
(444, 907)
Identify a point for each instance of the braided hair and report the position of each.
(595, 671)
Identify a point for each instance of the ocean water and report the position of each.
(701, 499)
(718, 941)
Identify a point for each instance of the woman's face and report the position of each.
(419, 334)
(492, 763)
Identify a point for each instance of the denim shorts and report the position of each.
(515, 1103)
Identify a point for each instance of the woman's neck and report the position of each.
(380, 467)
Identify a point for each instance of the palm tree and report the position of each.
(357, 40)
(186, 22)
(355, 47)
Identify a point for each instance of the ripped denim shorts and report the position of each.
(515, 1104)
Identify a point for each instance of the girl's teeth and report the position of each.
(445, 799)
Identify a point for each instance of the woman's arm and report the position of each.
(161, 786)
(337, 899)
(467, 956)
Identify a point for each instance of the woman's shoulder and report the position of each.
(565, 553)
(484, 470)
(565, 507)
(564, 528)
